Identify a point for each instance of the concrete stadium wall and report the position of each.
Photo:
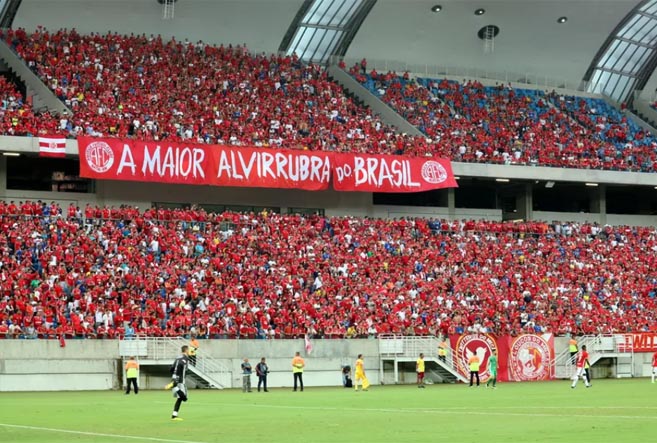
(42, 365)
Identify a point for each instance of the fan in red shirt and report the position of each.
(582, 366)
(654, 366)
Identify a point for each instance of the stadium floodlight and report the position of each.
(549, 185)
(11, 154)
(593, 185)
(562, 19)
(502, 180)
(436, 8)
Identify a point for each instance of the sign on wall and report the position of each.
(639, 342)
(527, 357)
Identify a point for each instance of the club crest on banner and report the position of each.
(433, 172)
(481, 345)
(99, 156)
(529, 358)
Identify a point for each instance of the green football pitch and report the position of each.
(610, 411)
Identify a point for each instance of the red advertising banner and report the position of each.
(389, 173)
(115, 159)
(481, 345)
(524, 358)
(531, 357)
(218, 165)
(639, 342)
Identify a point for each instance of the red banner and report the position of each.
(115, 159)
(389, 173)
(639, 342)
(523, 358)
(218, 165)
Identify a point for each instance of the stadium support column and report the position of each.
(524, 203)
(451, 203)
(598, 203)
(3, 175)
(603, 204)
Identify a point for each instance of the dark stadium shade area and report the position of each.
(46, 174)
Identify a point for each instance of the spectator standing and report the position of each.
(132, 375)
(654, 366)
(442, 351)
(572, 348)
(193, 349)
(246, 375)
(297, 370)
(419, 370)
(474, 363)
(261, 371)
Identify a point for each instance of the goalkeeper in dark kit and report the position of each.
(177, 385)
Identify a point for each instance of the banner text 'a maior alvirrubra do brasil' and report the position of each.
(218, 165)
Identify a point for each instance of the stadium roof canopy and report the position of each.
(604, 46)
(629, 55)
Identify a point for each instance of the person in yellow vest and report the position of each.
(572, 348)
(132, 374)
(297, 370)
(442, 351)
(193, 348)
(473, 363)
(360, 376)
(419, 369)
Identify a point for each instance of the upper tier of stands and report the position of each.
(103, 272)
(144, 87)
(501, 124)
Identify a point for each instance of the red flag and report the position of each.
(52, 146)
(62, 341)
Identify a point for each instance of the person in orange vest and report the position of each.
(473, 363)
(132, 374)
(193, 348)
(297, 369)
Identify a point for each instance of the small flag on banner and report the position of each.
(309, 345)
(52, 146)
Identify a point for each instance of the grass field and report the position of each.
(610, 411)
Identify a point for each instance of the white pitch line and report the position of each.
(95, 434)
(441, 411)
(447, 409)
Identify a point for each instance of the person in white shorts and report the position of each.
(582, 363)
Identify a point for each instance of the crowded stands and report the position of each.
(500, 124)
(147, 88)
(120, 272)
(151, 89)
(17, 116)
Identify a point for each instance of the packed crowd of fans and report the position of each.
(148, 88)
(108, 272)
(501, 124)
(17, 117)
(145, 87)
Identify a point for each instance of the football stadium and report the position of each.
(328, 220)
